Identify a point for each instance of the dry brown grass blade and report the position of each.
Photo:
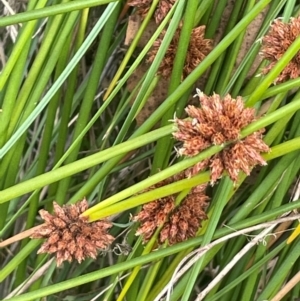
(19, 236)
(287, 288)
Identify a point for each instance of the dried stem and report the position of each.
(185, 265)
(294, 281)
(19, 236)
(232, 263)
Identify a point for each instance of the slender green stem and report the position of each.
(164, 145)
(20, 44)
(131, 49)
(278, 279)
(88, 99)
(64, 285)
(222, 197)
(80, 165)
(52, 10)
(42, 104)
(277, 69)
(67, 105)
(257, 266)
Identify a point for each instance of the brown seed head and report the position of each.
(279, 38)
(178, 223)
(216, 122)
(198, 49)
(244, 155)
(185, 221)
(153, 215)
(70, 236)
(143, 6)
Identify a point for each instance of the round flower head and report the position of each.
(69, 236)
(216, 122)
(178, 223)
(279, 38)
(186, 219)
(198, 49)
(143, 6)
(154, 214)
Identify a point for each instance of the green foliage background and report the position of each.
(60, 141)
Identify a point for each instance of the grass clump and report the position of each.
(147, 192)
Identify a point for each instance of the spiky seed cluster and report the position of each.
(216, 122)
(178, 223)
(198, 49)
(279, 38)
(154, 214)
(143, 6)
(70, 236)
(186, 219)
